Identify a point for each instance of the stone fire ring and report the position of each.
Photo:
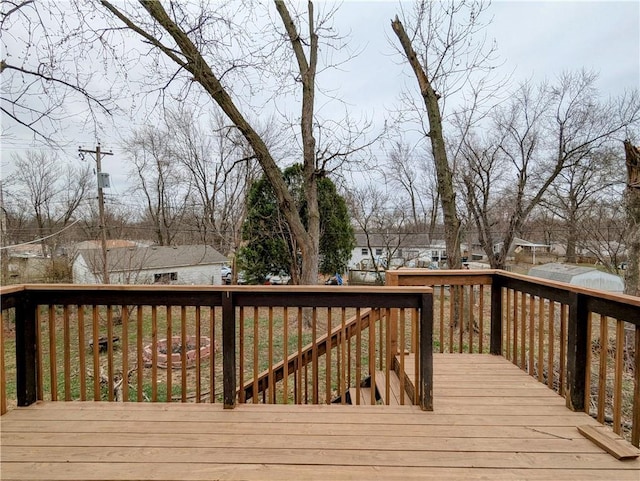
(162, 358)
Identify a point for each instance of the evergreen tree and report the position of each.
(270, 247)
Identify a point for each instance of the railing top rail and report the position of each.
(611, 296)
(290, 296)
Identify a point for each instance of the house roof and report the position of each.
(579, 275)
(155, 257)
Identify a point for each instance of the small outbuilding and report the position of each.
(579, 276)
(192, 264)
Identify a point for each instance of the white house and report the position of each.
(400, 249)
(192, 264)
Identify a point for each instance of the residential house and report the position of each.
(191, 264)
(395, 250)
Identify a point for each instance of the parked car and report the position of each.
(279, 279)
(227, 274)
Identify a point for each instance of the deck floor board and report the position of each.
(510, 428)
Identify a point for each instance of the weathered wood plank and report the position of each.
(199, 471)
(609, 441)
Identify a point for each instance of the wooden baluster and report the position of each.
(154, 353)
(635, 421)
(372, 353)
(82, 352)
(314, 356)
(110, 360)
(3, 378)
(183, 353)
(241, 367)
(271, 398)
(617, 386)
(358, 354)
(198, 353)
(212, 357)
(169, 353)
(299, 370)
(66, 353)
(39, 356)
(461, 290)
(256, 339)
(343, 357)
(563, 347)
(97, 395)
(523, 330)
(139, 358)
(532, 332)
(602, 373)
(401, 350)
(125, 353)
(541, 312)
(441, 337)
(551, 348)
(507, 328)
(328, 358)
(481, 319)
(471, 318)
(285, 377)
(53, 372)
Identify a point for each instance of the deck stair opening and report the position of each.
(392, 392)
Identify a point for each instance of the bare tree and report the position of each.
(190, 39)
(412, 173)
(158, 179)
(43, 70)
(440, 41)
(381, 223)
(632, 209)
(579, 189)
(532, 139)
(50, 192)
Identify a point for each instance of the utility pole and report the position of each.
(103, 228)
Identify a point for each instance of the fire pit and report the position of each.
(172, 351)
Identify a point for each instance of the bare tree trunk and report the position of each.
(632, 237)
(444, 176)
(632, 207)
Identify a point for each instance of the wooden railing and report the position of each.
(582, 343)
(205, 344)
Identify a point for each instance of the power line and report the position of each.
(42, 238)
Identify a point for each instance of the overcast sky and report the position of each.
(535, 40)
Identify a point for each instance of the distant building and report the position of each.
(579, 276)
(411, 250)
(192, 264)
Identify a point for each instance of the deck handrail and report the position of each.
(28, 301)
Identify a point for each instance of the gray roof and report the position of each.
(559, 272)
(580, 276)
(155, 257)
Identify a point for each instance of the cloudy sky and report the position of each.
(536, 40)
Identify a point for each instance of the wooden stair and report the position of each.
(365, 396)
(395, 396)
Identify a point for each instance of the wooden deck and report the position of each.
(491, 421)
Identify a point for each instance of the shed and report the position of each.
(579, 276)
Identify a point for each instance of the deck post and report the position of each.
(228, 350)
(577, 346)
(496, 316)
(426, 352)
(26, 351)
